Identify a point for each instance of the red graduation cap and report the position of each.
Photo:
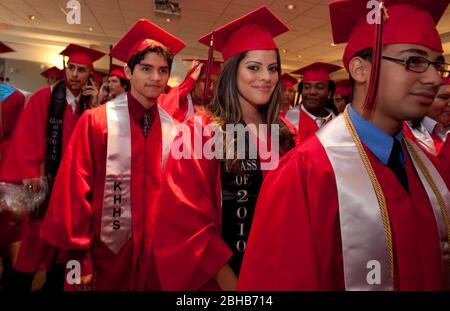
(446, 80)
(53, 72)
(408, 21)
(116, 70)
(401, 21)
(216, 65)
(317, 72)
(288, 81)
(98, 76)
(141, 35)
(81, 55)
(253, 31)
(5, 49)
(343, 87)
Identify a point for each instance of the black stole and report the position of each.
(239, 194)
(55, 127)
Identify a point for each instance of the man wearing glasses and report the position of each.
(383, 222)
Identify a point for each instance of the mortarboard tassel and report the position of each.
(376, 60)
(206, 91)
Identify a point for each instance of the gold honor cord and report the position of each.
(376, 186)
(436, 191)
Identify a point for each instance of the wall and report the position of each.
(24, 75)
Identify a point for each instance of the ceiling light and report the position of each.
(290, 7)
(299, 56)
(333, 44)
(31, 17)
(168, 20)
(284, 51)
(91, 29)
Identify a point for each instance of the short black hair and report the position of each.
(125, 84)
(139, 56)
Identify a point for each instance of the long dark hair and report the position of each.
(225, 107)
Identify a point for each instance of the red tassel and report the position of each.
(206, 91)
(369, 103)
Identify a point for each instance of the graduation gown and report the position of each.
(189, 247)
(74, 219)
(11, 108)
(185, 107)
(295, 242)
(29, 149)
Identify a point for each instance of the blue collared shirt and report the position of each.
(378, 141)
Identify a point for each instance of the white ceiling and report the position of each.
(310, 35)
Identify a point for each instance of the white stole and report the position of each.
(116, 227)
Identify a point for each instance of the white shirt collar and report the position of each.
(71, 99)
(320, 121)
(429, 124)
(423, 136)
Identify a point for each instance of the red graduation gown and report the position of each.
(180, 110)
(10, 111)
(295, 242)
(189, 248)
(73, 220)
(29, 147)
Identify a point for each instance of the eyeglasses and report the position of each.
(420, 64)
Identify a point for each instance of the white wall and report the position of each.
(24, 75)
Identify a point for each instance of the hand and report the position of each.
(226, 278)
(86, 283)
(33, 185)
(104, 90)
(195, 70)
(92, 91)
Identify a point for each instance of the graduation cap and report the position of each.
(288, 81)
(81, 55)
(116, 70)
(53, 72)
(446, 80)
(142, 35)
(98, 76)
(253, 31)
(343, 87)
(317, 72)
(5, 49)
(216, 65)
(400, 21)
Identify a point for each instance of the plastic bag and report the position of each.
(17, 199)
